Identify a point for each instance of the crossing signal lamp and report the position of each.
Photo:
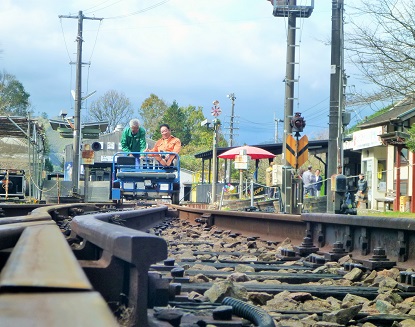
(297, 123)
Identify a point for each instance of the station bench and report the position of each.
(387, 200)
(42, 283)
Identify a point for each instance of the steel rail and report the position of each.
(37, 261)
(41, 279)
(375, 241)
(115, 245)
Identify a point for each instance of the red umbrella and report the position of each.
(252, 151)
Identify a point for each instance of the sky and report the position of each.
(191, 52)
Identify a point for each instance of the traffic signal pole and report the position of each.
(288, 108)
(290, 11)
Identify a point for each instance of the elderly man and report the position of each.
(133, 138)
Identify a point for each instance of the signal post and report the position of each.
(290, 11)
(296, 155)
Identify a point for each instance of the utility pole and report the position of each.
(78, 100)
(232, 97)
(336, 95)
(277, 121)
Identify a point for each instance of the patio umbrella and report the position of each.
(252, 151)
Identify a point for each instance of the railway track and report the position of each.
(131, 267)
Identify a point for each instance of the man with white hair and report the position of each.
(133, 138)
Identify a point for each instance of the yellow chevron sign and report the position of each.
(290, 151)
(296, 151)
(302, 151)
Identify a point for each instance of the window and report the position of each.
(381, 176)
(404, 156)
(404, 186)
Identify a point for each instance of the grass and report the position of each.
(387, 214)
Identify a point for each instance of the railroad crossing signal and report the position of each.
(297, 123)
(296, 151)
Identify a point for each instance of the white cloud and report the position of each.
(189, 51)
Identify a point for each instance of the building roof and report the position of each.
(15, 126)
(401, 111)
(314, 147)
(14, 134)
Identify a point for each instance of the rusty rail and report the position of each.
(376, 241)
(107, 268)
(109, 250)
(45, 281)
(40, 278)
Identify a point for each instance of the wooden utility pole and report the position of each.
(78, 101)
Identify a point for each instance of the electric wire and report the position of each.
(64, 41)
(90, 11)
(95, 42)
(89, 67)
(140, 11)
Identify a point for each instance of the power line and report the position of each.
(140, 11)
(92, 11)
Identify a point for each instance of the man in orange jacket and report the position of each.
(167, 143)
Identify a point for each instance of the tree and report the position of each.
(187, 157)
(410, 143)
(381, 45)
(48, 165)
(113, 107)
(151, 113)
(14, 100)
(176, 118)
(199, 135)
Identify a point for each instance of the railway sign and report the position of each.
(216, 111)
(296, 151)
(302, 151)
(290, 152)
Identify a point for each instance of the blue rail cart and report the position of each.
(141, 176)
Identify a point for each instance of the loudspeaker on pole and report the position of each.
(96, 146)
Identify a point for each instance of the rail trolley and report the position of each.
(143, 177)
